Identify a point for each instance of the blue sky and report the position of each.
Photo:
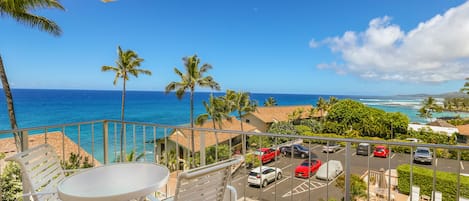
(308, 47)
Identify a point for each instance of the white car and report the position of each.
(332, 147)
(335, 168)
(261, 176)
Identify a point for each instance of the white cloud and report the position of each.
(437, 50)
(313, 43)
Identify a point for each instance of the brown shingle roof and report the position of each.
(182, 136)
(61, 143)
(463, 129)
(441, 123)
(280, 113)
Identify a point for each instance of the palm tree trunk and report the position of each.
(11, 108)
(192, 126)
(243, 137)
(122, 120)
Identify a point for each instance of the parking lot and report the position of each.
(292, 188)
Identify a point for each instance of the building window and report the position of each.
(247, 121)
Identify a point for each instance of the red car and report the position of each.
(302, 169)
(381, 151)
(267, 154)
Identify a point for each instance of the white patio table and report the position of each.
(123, 181)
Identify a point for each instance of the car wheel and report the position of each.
(279, 176)
(264, 184)
(303, 155)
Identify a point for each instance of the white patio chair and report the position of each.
(206, 183)
(41, 172)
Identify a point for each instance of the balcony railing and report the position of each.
(100, 140)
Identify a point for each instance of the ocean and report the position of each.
(39, 107)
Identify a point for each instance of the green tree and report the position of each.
(322, 106)
(241, 103)
(216, 111)
(127, 63)
(429, 106)
(190, 79)
(10, 182)
(465, 88)
(357, 186)
(19, 10)
(270, 102)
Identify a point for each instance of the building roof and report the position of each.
(441, 123)
(280, 113)
(439, 129)
(182, 136)
(463, 129)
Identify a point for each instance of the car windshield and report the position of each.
(422, 151)
(379, 149)
(306, 163)
(259, 153)
(302, 148)
(254, 174)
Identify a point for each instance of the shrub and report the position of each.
(252, 161)
(446, 182)
(10, 182)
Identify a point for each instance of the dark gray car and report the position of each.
(423, 155)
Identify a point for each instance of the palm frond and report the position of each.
(39, 22)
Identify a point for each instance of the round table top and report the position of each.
(123, 181)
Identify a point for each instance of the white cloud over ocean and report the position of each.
(437, 50)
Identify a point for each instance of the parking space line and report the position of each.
(371, 155)
(236, 180)
(278, 182)
(393, 156)
(462, 166)
(315, 146)
(286, 166)
(341, 151)
(354, 153)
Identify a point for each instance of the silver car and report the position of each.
(331, 147)
(423, 155)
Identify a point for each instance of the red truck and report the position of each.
(267, 154)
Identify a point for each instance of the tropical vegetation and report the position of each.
(270, 102)
(21, 12)
(357, 186)
(429, 106)
(127, 64)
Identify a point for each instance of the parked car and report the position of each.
(413, 140)
(335, 168)
(331, 147)
(307, 168)
(263, 175)
(267, 154)
(364, 149)
(423, 155)
(298, 150)
(381, 151)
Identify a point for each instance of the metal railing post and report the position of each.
(202, 149)
(24, 140)
(105, 142)
(348, 155)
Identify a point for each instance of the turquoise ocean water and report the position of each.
(36, 108)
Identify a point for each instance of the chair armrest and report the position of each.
(234, 193)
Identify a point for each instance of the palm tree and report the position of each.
(429, 105)
(128, 63)
(242, 103)
(20, 11)
(270, 102)
(465, 89)
(193, 76)
(216, 111)
(322, 106)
